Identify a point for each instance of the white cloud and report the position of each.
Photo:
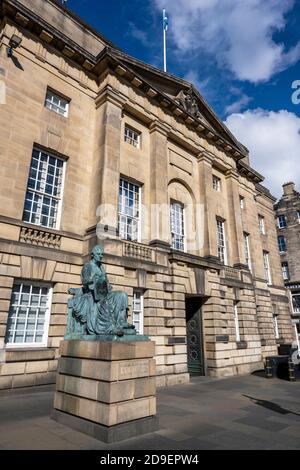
(138, 34)
(238, 34)
(238, 105)
(273, 139)
(203, 86)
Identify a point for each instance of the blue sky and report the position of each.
(242, 55)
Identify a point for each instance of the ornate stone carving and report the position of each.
(189, 102)
(135, 250)
(231, 273)
(40, 237)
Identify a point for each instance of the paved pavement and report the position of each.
(237, 413)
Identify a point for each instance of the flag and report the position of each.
(166, 21)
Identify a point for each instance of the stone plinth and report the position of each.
(107, 389)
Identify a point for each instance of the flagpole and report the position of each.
(165, 41)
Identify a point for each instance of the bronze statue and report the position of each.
(95, 309)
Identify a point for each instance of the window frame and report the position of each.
(285, 270)
(262, 224)
(60, 97)
(130, 140)
(247, 250)
(296, 310)
(280, 225)
(281, 237)
(183, 224)
(140, 312)
(225, 253)
(139, 221)
(276, 326)
(236, 322)
(216, 183)
(43, 194)
(267, 268)
(48, 308)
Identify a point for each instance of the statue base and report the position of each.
(107, 389)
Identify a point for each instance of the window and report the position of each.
(298, 216)
(276, 328)
(247, 250)
(296, 303)
(285, 270)
(236, 323)
(29, 313)
(216, 183)
(267, 267)
(129, 210)
(242, 202)
(57, 103)
(177, 226)
(282, 221)
(261, 223)
(44, 190)
(222, 252)
(281, 244)
(132, 137)
(138, 311)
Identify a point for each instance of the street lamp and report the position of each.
(15, 41)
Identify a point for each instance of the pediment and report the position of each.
(180, 97)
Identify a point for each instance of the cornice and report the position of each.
(250, 173)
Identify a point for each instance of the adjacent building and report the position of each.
(98, 147)
(287, 211)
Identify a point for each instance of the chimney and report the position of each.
(288, 189)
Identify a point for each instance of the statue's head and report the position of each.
(97, 253)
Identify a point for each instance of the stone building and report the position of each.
(287, 211)
(98, 145)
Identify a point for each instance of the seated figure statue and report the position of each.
(95, 309)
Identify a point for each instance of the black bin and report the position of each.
(280, 367)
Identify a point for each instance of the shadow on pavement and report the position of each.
(271, 406)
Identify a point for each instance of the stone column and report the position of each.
(160, 227)
(106, 171)
(209, 249)
(235, 223)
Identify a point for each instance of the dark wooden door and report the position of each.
(194, 336)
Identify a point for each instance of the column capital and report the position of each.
(205, 156)
(108, 94)
(158, 126)
(232, 173)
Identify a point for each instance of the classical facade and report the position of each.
(287, 211)
(97, 147)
